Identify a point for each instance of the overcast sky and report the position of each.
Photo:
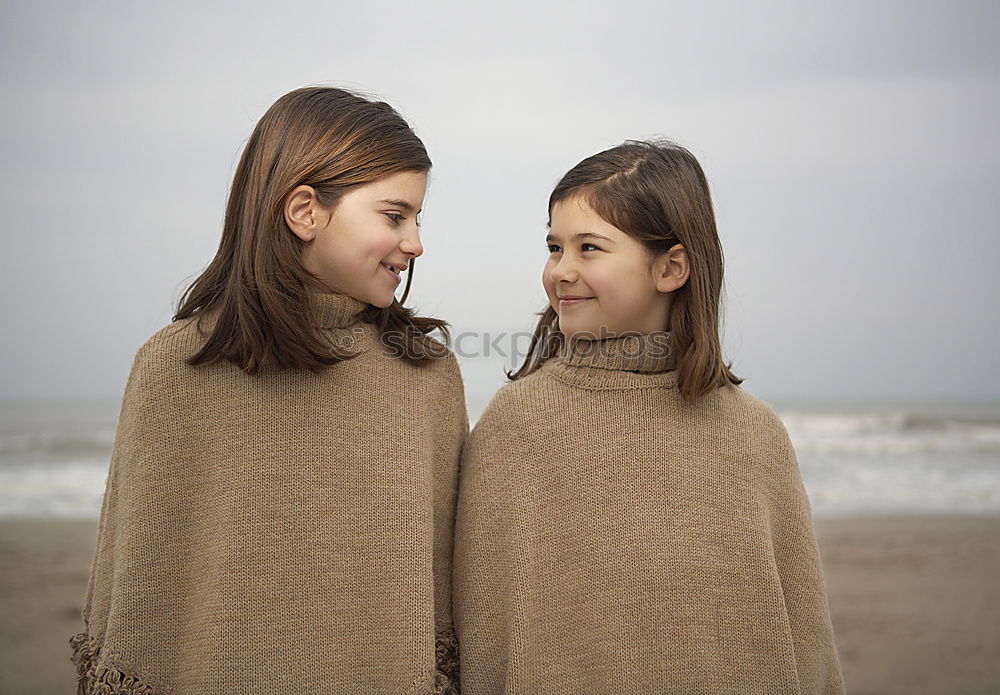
(851, 148)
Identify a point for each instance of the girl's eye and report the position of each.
(553, 247)
(395, 217)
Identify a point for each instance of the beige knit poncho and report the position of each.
(613, 539)
(288, 532)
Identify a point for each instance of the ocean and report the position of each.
(856, 459)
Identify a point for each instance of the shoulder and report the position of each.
(158, 370)
(749, 418)
(437, 379)
(173, 339)
(447, 362)
(768, 451)
(447, 379)
(514, 407)
(162, 357)
(513, 396)
(443, 367)
(755, 434)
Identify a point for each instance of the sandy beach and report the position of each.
(915, 602)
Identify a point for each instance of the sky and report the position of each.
(851, 150)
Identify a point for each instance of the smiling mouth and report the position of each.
(573, 300)
(392, 271)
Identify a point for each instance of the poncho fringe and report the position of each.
(446, 677)
(96, 678)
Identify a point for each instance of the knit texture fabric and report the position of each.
(287, 532)
(612, 538)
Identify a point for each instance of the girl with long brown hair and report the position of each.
(279, 506)
(629, 518)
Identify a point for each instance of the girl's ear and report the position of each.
(303, 212)
(672, 268)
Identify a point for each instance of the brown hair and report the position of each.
(334, 141)
(657, 193)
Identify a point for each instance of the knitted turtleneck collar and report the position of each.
(646, 354)
(334, 309)
(629, 361)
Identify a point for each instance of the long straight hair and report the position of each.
(657, 193)
(334, 141)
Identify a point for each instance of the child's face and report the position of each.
(612, 273)
(372, 226)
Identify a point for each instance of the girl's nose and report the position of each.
(411, 243)
(563, 271)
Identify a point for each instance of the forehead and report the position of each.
(405, 185)
(573, 215)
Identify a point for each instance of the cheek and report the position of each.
(604, 279)
(329, 252)
(379, 245)
(634, 294)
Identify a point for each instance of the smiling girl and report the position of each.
(279, 506)
(630, 520)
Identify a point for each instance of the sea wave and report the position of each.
(66, 489)
(60, 443)
(889, 434)
(851, 463)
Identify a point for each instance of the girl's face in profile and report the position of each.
(361, 248)
(599, 280)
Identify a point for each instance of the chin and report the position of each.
(383, 302)
(579, 329)
(571, 330)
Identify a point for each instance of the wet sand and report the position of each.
(915, 602)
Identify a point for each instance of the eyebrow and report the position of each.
(581, 235)
(400, 204)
